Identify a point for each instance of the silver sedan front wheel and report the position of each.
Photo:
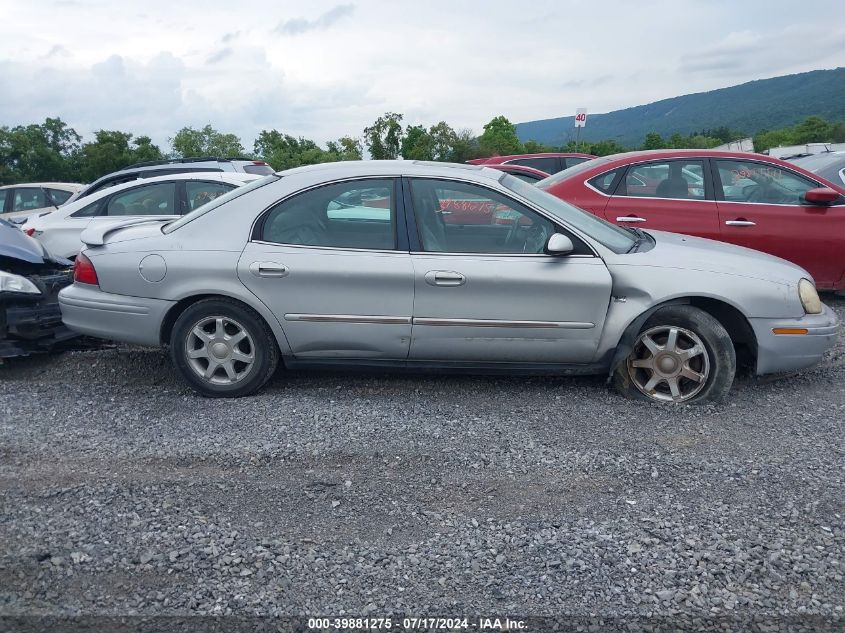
(669, 363)
(220, 350)
(681, 354)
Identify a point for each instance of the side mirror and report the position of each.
(821, 195)
(559, 244)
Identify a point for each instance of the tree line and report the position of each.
(54, 151)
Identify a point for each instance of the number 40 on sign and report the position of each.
(581, 117)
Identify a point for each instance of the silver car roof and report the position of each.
(353, 168)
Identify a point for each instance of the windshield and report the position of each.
(571, 171)
(226, 197)
(613, 237)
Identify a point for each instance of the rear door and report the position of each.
(329, 264)
(488, 293)
(667, 195)
(761, 207)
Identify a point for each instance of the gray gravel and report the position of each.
(123, 493)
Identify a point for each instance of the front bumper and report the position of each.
(33, 324)
(787, 352)
(88, 310)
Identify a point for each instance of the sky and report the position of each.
(324, 69)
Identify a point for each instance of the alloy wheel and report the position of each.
(220, 350)
(669, 364)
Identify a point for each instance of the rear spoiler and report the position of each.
(96, 235)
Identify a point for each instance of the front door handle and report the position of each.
(444, 278)
(629, 218)
(740, 222)
(268, 269)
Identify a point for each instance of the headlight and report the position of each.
(16, 283)
(809, 297)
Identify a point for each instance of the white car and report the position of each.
(29, 200)
(160, 197)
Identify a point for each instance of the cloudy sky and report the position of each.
(323, 69)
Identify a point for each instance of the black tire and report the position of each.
(260, 341)
(717, 343)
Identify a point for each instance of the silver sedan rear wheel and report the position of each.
(220, 350)
(669, 364)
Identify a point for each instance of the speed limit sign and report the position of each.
(581, 117)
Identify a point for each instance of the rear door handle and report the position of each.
(629, 218)
(268, 269)
(444, 278)
(740, 223)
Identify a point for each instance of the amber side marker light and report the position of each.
(790, 330)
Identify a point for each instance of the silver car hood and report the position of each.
(684, 252)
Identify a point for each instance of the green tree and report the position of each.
(533, 147)
(653, 140)
(417, 144)
(46, 151)
(606, 148)
(813, 129)
(191, 143)
(837, 132)
(112, 150)
(499, 138)
(465, 147)
(443, 140)
(346, 148)
(384, 137)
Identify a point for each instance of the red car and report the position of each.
(747, 199)
(551, 162)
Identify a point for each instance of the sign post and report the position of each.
(580, 121)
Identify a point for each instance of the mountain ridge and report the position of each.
(749, 107)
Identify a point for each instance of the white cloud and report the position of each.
(323, 69)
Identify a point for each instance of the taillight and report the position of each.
(258, 162)
(29, 232)
(83, 271)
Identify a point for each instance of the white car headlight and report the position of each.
(809, 297)
(16, 283)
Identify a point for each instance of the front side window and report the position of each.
(27, 198)
(59, 196)
(456, 217)
(199, 192)
(748, 181)
(354, 214)
(153, 199)
(677, 179)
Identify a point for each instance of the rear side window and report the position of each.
(152, 199)
(263, 170)
(604, 182)
(354, 214)
(27, 198)
(59, 196)
(3, 194)
(547, 164)
(199, 192)
(571, 161)
(675, 179)
(88, 211)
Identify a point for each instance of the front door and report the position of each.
(760, 207)
(667, 195)
(326, 262)
(486, 292)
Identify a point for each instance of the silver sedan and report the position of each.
(402, 264)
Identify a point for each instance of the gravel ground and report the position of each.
(123, 493)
